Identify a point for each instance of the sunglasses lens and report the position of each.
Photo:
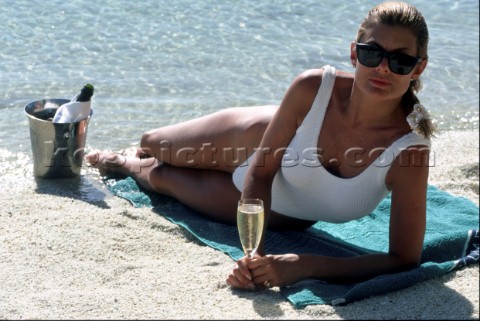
(402, 64)
(371, 56)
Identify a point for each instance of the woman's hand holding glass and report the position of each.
(250, 224)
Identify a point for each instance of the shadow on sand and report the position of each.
(80, 188)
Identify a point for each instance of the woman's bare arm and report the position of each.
(408, 181)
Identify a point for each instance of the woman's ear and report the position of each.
(420, 68)
(353, 54)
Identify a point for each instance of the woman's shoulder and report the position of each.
(307, 84)
(345, 75)
(316, 75)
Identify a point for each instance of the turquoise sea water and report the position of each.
(158, 62)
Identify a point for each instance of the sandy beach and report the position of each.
(67, 256)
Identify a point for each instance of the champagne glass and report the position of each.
(250, 221)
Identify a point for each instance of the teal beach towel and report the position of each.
(451, 241)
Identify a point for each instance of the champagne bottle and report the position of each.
(77, 109)
(85, 94)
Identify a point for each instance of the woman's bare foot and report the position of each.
(108, 163)
(133, 152)
(130, 162)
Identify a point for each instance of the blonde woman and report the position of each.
(335, 147)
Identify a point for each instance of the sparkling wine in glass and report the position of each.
(250, 220)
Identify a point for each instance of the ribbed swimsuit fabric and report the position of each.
(304, 189)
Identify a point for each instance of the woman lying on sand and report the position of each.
(335, 147)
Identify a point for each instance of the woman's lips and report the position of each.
(380, 82)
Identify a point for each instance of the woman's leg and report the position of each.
(192, 161)
(209, 192)
(213, 194)
(219, 141)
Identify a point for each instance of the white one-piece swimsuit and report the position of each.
(304, 189)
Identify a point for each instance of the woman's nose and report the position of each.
(383, 65)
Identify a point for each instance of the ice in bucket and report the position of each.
(57, 148)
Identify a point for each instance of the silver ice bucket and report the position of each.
(57, 149)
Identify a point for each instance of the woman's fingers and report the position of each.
(276, 270)
(256, 272)
(259, 268)
(241, 276)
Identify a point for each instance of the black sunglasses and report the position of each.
(372, 56)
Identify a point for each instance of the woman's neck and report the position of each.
(360, 110)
